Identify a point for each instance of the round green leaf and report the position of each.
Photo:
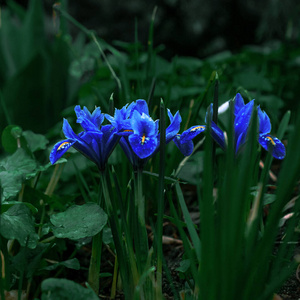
(17, 223)
(53, 289)
(9, 138)
(35, 141)
(7, 204)
(79, 221)
(13, 172)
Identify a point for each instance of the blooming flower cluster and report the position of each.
(138, 134)
(242, 117)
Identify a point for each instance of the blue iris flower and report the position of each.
(96, 141)
(140, 138)
(242, 113)
(184, 141)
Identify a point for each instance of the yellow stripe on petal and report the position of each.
(272, 141)
(143, 139)
(63, 145)
(196, 128)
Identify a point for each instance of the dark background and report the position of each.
(189, 27)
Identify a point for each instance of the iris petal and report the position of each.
(140, 106)
(238, 103)
(264, 121)
(143, 124)
(218, 135)
(142, 146)
(68, 131)
(240, 141)
(271, 143)
(120, 119)
(174, 127)
(243, 118)
(87, 120)
(192, 132)
(185, 148)
(60, 149)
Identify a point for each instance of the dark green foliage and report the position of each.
(64, 289)
(78, 222)
(229, 254)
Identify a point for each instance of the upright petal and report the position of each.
(264, 121)
(87, 120)
(68, 131)
(243, 118)
(218, 135)
(120, 119)
(238, 103)
(174, 127)
(273, 144)
(141, 106)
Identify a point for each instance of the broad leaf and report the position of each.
(79, 221)
(29, 260)
(53, 289)
(13, 171)
(9, 138)
(17, 223)
(70, 264)
(6, 205)
(35, 141)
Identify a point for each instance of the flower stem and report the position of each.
(160, 210)
(141, 237)
(94, 268)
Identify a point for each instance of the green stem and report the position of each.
(115, 277)
(141, 232)
(128, 271)
(160, 208)
(94, 268)
(2, 273)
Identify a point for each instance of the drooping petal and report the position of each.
(60, 149)
(264, 121)
(185, 148)
(192, 132)
(174, 127)
(273, 144)
(143, 146)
